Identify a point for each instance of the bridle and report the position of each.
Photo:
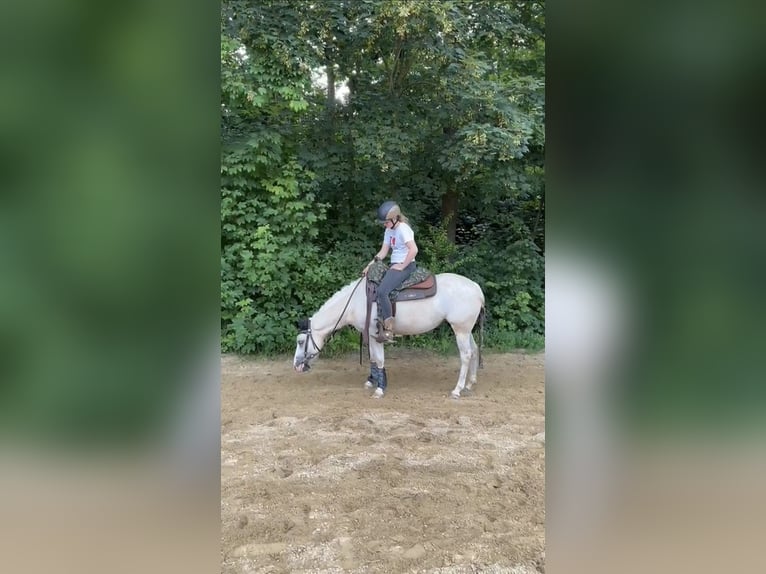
(310, 336)
(306, 356)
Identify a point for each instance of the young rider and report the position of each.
(400, 240)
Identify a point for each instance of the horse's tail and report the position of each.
(481, 336)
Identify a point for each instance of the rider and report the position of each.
(400, 239)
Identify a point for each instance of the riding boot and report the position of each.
(388, 331)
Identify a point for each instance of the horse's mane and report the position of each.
(340, 296)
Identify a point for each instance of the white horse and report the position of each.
(458, 300)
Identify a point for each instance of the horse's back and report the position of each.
(459, 284)
(461, 298)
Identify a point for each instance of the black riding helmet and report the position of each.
(388, 210)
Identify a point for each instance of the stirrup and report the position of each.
(385, 337)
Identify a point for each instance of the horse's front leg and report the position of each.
(372, 345)
(377, 378)
(466, 352)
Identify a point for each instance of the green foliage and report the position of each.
(268, 224)
(439, 254)
(511, 340)
(512, 278)
(510, 275)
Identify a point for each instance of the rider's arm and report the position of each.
(379, 256)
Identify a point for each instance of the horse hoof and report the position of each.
(378, 394)
(455, 395)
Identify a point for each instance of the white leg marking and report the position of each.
(464, 345)
(474, 365)
(377, 355)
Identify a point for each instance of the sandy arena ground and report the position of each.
(318, 477)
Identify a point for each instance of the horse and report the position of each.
(458, 300)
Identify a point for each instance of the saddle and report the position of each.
(420, 285)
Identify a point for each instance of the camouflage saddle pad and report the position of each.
(410, 288)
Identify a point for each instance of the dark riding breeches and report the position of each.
(391, 280)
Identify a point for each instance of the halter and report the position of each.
(310, 336)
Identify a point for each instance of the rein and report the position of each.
(310, 337)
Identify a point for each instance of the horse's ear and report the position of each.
(302, 324)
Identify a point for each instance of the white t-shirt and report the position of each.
(396, 238)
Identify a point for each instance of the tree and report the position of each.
(268, 208)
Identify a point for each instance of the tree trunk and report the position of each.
(330, 86)
(449, 210)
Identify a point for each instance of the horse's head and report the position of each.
(306, 348)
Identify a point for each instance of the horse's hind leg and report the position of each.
(466, 353)
(473, 366)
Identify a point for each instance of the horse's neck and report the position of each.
(328, 318)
